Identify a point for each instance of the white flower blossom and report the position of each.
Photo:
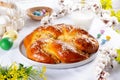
(104, 60)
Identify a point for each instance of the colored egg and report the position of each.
(98, 35)
(102, 31)
(11, 34)
(44, 11)
(47, 13)
(34, 12)
(41, 13)
(6, 43)
(108, 38)
(103, 41)
(37, 13)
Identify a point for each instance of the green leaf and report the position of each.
(3, 70)
(28, 70)
(21, 66)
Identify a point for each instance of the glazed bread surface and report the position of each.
(59, 43)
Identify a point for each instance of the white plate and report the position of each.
(55, 66)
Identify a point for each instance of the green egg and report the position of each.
(6, 43)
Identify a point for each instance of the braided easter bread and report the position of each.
(59, 43)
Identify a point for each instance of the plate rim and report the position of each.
(57, 66)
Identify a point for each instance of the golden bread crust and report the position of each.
(59, 43)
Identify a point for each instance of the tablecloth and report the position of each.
(85, 72)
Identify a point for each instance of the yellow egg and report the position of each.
(47, 14)
(11, 34)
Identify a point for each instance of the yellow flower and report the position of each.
(14, 66)
(118, 15)
(19, 72)
(106, 4)
(43, 69)
(42, 74)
